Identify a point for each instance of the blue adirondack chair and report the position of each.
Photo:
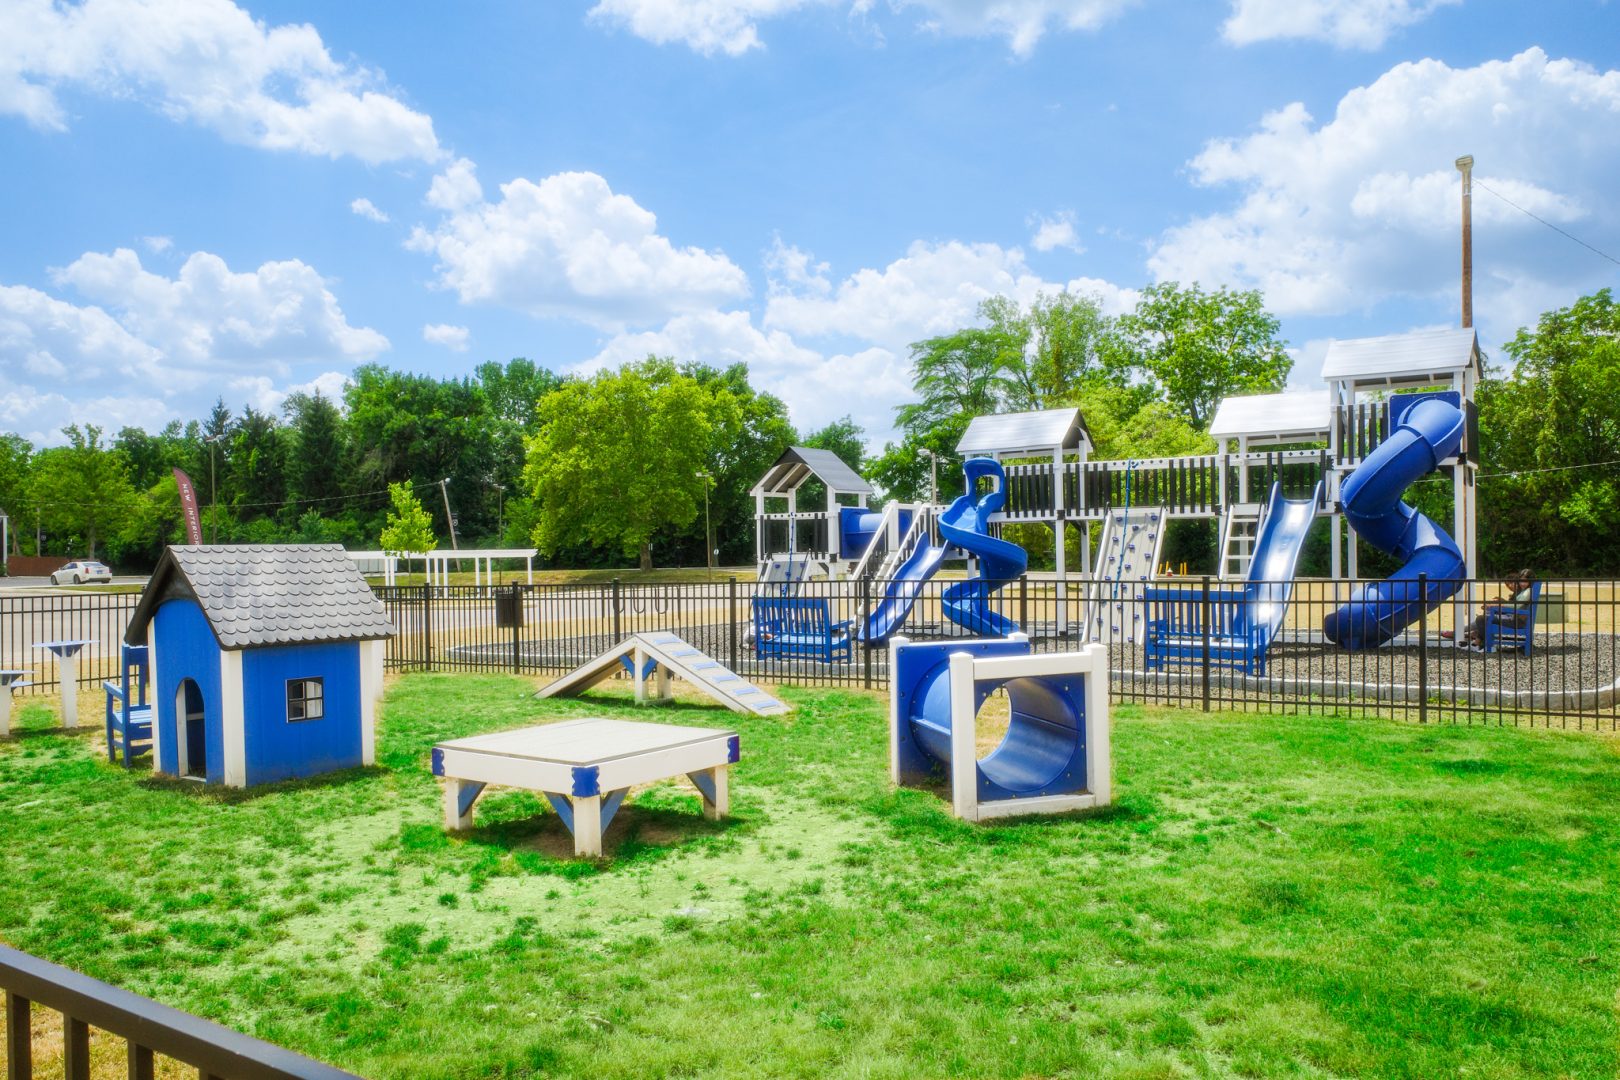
(129, 713)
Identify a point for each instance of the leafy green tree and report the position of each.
(316, 454)
(958, 375)
(409, 526)
(1053, 350)
(615, 461)
(751, 430)
(1550, 435)
(514, 390)
(256, 478)
(16, 467)
(1199, 347)
(82, 489)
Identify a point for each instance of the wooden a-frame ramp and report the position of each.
(647, 656)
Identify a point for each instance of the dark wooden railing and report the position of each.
(147, 1027)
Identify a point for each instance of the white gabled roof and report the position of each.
(1025, 432)
(1297, 414)
(799, 463)
(1417, 356)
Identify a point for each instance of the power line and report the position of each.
(1547, 223)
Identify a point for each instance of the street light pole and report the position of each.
(708, 535)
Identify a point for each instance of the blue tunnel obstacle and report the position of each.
(1055, 754)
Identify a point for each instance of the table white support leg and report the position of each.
(459, 796)
(715, 787)
(68, 671)
(588, 825)
(665, 691)
(638, 662)
(5, 711)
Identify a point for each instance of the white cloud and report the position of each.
(152, 348)
(368, 210)
(266, 396)
(1337, 216)
(732, 26)
(1347, 24)
(865, 384)
(210, 63)
(456, 188)
(933, 289)
(1056, 232)
(789, 270)
(569, 246)
(209, 319)
(157, 245)
(453, 338)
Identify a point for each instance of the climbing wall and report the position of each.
(1126, 557)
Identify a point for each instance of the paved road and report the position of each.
(45, 583)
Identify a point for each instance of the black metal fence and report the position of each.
(1567, 679)
(147, 1028)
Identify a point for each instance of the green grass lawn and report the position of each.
(1272, 896)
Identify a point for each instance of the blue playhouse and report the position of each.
(265, 662)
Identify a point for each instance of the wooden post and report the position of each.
(588, 825)
(1465, 165)
(964, 749)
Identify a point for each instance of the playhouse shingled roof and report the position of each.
(266, 594)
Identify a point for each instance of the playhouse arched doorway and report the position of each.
(192, 731)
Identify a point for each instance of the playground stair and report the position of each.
(666, 655)
(1240, 528)
(1126, 560)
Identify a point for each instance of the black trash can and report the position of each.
(509, 608)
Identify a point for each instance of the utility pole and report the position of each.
(213, 498)
(708, 534)
(1465, 165)
(449, 519)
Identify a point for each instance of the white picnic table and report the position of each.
(67, 674)
(585, 768)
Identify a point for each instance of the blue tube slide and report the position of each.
(1428, 433)
(966, 525)
(1044, 750)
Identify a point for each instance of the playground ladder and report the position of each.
(1240, 529)
(880, 543)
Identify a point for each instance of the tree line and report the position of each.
(616, 466)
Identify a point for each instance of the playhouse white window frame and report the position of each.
(304, 700)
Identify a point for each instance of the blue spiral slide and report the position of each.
(1428, 433)
(963, 525)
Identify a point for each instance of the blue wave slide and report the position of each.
(1428, 433)
(966, 525)
(962, 525)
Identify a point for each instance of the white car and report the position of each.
(77, 573)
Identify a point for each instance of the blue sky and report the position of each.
(210, 200)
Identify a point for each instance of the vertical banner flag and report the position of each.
(188, 504)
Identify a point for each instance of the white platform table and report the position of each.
(584, 768)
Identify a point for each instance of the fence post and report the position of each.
(1423, 648)
(1023, 602)
(618, 614)
(517, 627)
(427, 626)
(866, 646)
(1204, 623)
(731, 621)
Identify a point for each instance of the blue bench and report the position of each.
(129, 714)
(1175, 628)
(1512, 626)
(799, 626)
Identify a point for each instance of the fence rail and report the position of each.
(147, 1027)
(1571, 676)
